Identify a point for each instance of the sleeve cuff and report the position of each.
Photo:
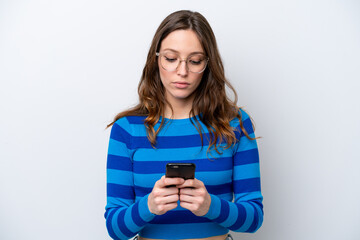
(144, 211)
(215, 207)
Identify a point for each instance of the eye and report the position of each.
(194, 62)
(170, 59)
(196, 59)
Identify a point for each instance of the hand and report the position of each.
(194, 197)
(163, 198)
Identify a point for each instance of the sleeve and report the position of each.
(125, 217)
(245, 214)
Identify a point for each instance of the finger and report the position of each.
(162, 192)
(170, 206)
(167, 191)
(187, 191)
(161, 209)
(195, 183)
(173, 181)
(160, 189)
(187, 198)
(187, 205)
(166, 199)
(160, 183)
(164, 181)
(187, 183)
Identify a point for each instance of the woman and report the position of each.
(185, 116)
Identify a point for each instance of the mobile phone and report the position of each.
(182, 170)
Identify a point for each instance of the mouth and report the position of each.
(181, 84)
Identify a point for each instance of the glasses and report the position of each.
(195, 63)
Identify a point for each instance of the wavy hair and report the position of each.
(211, 100)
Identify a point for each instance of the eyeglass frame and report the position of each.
(186, 62)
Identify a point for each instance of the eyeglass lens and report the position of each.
(195, 63)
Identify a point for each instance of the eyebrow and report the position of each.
(178, 51)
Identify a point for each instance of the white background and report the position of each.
(67, 67)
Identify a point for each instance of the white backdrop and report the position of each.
(67, 67)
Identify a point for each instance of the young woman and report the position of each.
(183, 115)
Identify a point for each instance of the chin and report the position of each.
(181, 96)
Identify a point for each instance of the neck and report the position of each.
(180, 112)
(181, 109)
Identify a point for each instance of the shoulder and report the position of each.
(128, 123)
(244, 115)
(244, 118)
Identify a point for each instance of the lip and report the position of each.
(181, 84)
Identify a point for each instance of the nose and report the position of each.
(182, 68)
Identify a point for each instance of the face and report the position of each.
(180, 84)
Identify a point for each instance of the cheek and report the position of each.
(161, 72)
(198, 80)
(166, 76)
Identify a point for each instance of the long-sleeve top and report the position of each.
(133, 166)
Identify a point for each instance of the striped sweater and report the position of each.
(133, 166)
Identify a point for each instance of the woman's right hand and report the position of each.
(163, 198)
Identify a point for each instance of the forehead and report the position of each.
(182, 41)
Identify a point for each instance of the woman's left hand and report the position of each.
(194, 197)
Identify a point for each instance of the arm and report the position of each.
(124, 217)
(245, 214)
